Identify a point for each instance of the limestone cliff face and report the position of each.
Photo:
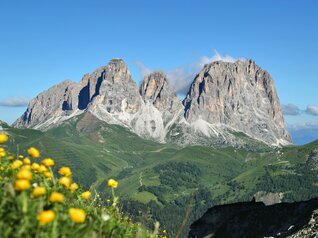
(108, 90)
(161, 110)
(49, 105)
(239, 95)
(117, 97)
(223, 99)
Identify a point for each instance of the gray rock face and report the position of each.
(156, 89)
(239, 95)
(109, 88)
(117, 98)
(160, 97)
(224, 99)
(55, 102)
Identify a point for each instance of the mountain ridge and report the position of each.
(219, 94)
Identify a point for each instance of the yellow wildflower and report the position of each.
(47, 174)
(20, 156)
(16, 164)
(33, 152)
(3, 138)
(48, 162)
(65, 181)
(35, 166)
(41, 169)
(56, 197)
(112, 183)
(77, 215)
(86, 195)
(21, 185)
(38, 192)
(73, 187)
(65, 171)
(27, 161)
(24, 174)
(11, 157)
(46, 217)
(28, 167)
(2, 152)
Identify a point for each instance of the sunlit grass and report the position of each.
(36, 203)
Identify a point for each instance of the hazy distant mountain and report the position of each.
(303, 136)
(224, 100)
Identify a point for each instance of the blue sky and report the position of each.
(45, 42)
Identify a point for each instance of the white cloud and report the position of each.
(312, 110)
(217, 57)
(181, 77)
(144, 71)
(291, 109)
(14, 102)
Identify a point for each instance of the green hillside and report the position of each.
(170, 183)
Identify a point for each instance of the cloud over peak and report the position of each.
(180, 78)
(14, 102)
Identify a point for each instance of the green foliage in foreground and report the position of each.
(20, 207)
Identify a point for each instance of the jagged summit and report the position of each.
(240, 95)
(224, 98)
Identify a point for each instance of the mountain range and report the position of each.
(226, 104)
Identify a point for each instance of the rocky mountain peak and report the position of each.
(240, 95)
(118, 70)
(152, 86)
(223, 99)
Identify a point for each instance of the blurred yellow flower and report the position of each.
(20, 156)
(65, 181)
(28, 167)
(24, 174)
(73, 187)
(11, 157)
(56, 197)
(41, 169)
(16, 164)
(3, 138)
(2, 152)
(27, 161)
(35, 166)
(86, 195)
(77, 215)
(46, 217)
(38, 192)
(112, 183)
(65, 171)
(33, 152)
(47, 174)
(48, 162)
(21, 185)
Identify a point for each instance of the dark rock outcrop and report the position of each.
(254, 219)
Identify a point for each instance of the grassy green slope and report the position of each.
(156, 176)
